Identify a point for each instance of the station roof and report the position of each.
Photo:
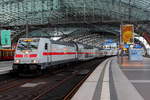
(35, 12)
(91, 36)
(21, 14)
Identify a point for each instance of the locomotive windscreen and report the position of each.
(28, 44)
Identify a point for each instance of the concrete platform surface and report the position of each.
(90, 90)
(5, 66)
(117, 79)
(138, 73)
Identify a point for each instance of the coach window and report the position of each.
(46, 46)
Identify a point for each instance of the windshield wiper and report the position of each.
(33, 46)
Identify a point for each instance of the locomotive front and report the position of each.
(26, 55)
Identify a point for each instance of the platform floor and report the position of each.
(5, 66)
(117, 78)
(138, 73)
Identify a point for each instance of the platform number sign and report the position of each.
(5, 38)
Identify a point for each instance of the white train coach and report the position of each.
(42, 53)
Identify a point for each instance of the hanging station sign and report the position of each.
(5, 38)
(127, 34)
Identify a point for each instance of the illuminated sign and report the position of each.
(137, 46)
(27, 40)
(127, 33)
(126, 46)
(5, 38)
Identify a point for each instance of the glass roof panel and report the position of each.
(18, 12)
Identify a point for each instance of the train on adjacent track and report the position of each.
(36, 54)
(6, 54)
(110, 48)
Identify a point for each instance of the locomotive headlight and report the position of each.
(26, 52)
(34, 61)
(17, 61)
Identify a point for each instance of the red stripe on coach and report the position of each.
(18, 55)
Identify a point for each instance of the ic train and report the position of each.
(110, 49)
(42, 53)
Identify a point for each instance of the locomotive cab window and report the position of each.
(28, 45)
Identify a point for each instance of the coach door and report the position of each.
(46, 50)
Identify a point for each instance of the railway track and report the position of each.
(12, 82)
(57, 86)
(66, 91)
